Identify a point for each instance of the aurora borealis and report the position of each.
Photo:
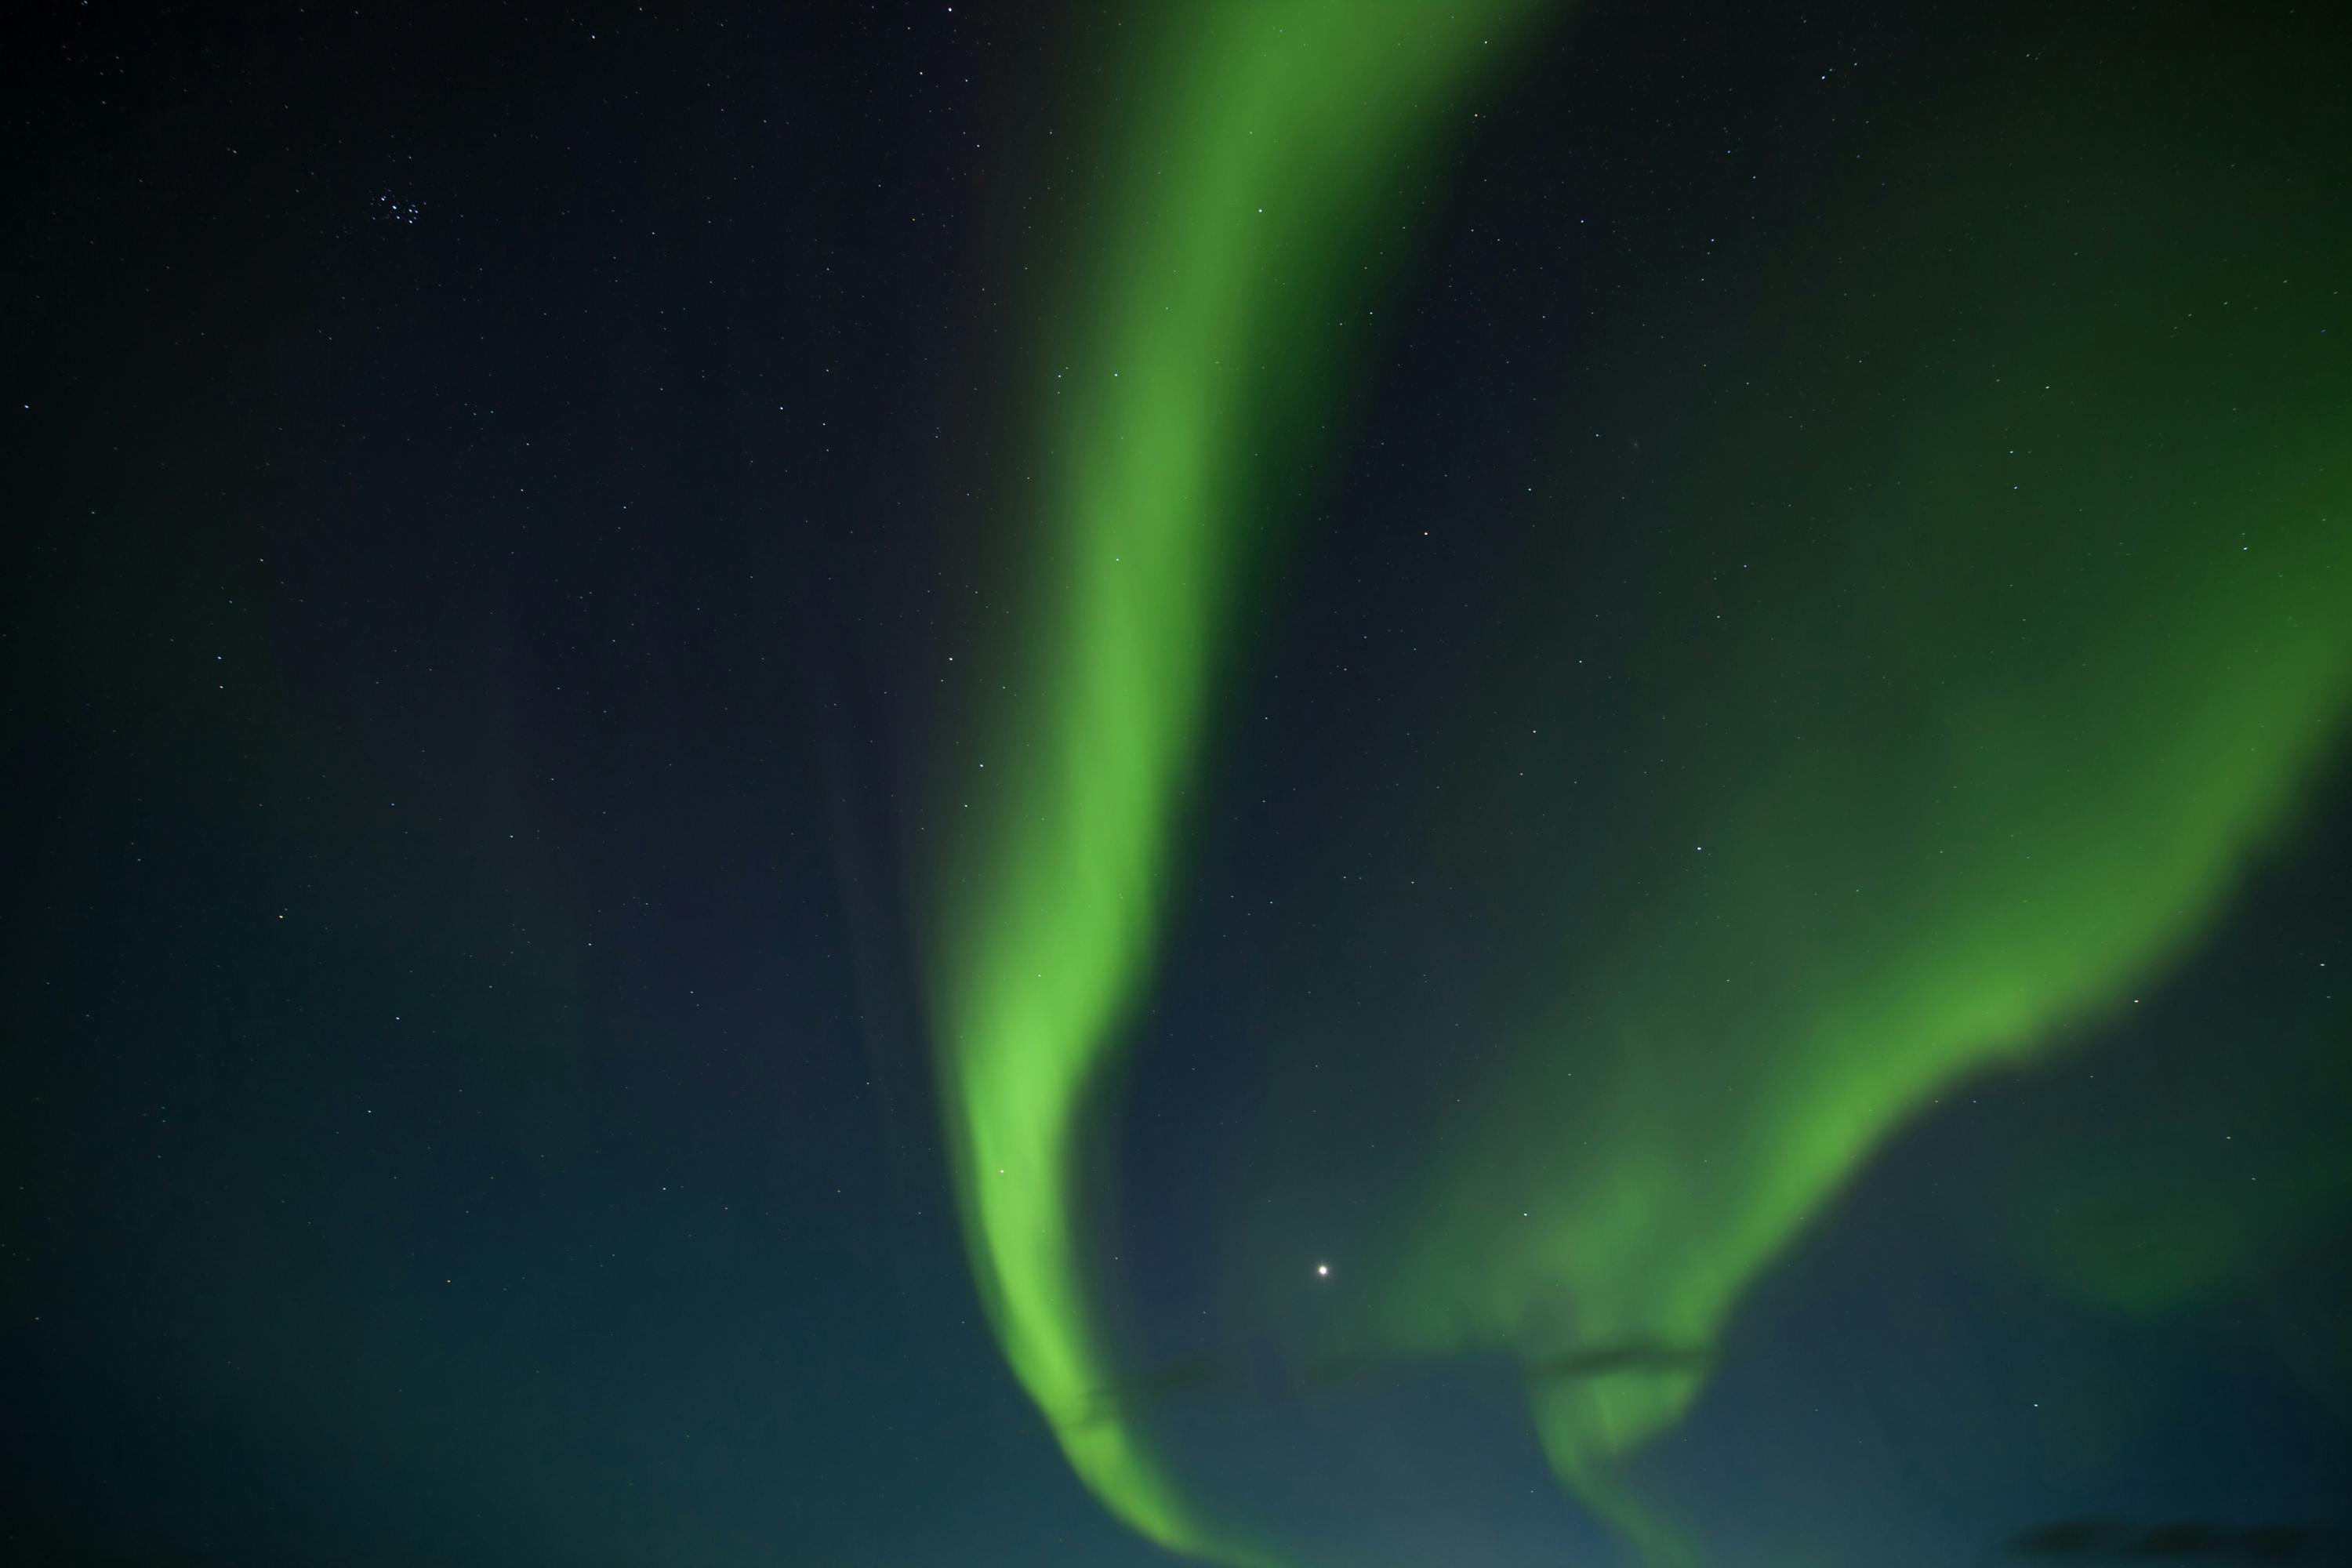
(1957, 766)
(1301, 783)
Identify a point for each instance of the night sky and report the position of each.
(1306, 784)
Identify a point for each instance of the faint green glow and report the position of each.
(1260, 171)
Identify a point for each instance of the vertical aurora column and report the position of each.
(1258, 171)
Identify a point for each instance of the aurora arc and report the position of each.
(1976, 682)
(1985, 746)
(1270, 142)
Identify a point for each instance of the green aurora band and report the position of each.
(1998, 610)
(2031, 646)
(1270, 143)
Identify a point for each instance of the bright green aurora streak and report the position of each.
(1272, 142)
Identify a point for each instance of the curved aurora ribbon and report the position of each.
(1971, 700)
(1271, 138)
